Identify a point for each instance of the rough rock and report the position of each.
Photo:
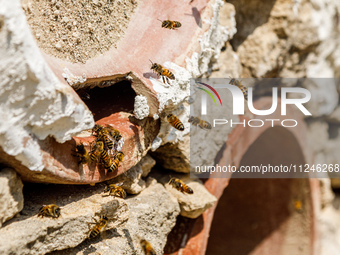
(30, 234)
(192, 205)
(324, 96)
(131, 180)
(334, 117)
(11, 197)
(36, 104)
(176, 156)
(152, 215)
(147, 163)
(288, 39)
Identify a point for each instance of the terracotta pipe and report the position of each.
(237, 150)
(127, 64)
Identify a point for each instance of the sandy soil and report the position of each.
(78, 30)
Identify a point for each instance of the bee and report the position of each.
(115, 191)
(108, 143)
(180, 186)
(170, 24)
(105, 159)
(117, 159)
(97, 128)
(161, 71)
(82, 154)
(175, 122)
(104, 133)
(97, 150)
(238, 84)
(201, 123)
(114, 133)
(100, 225)
(147, 248)
(49, 211)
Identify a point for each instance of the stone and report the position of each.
(324, 96)
(11, 197)
(174, 156)
(146, 164)
(152, 215)
(29, 234)
(334, 117)
(131, 180)
(192, 205)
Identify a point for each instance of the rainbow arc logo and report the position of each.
(209, 93)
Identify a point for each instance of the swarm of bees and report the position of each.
(147, 247)
(180, 186)
(115, 191)
(49, 211)
(106, 148)
(175, 122)
(238, 84)
(98, 227)
(198, 122)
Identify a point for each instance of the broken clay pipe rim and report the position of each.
(239, 142)
(144, 39)
(62, 167)
(129, 61)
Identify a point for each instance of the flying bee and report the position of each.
(97, 150)
(100, 225)
(117, 159)
(163, 72)
(180, 186)
(201, 123)
(170, 24)
(238, 84)
(175, 122)
(147, 248)
(115, 191)
(82, 154)
(49, 211)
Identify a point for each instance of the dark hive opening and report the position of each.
(103, 102)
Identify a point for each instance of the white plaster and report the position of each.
(141, 107)
(34, 103)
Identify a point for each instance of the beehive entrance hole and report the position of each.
(261, 216)
(104, 101)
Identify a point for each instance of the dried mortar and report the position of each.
(78, 30)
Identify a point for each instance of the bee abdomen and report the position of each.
(94, 233)
(93, 156)
(178, 125)
(177, 24)
(114, 166)
(108, 143)
(245, 92)
(189, 190)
